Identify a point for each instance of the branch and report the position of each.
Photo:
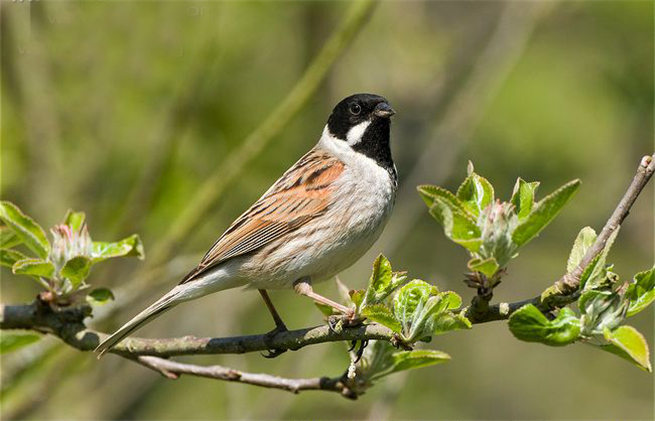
(172, 370)
(566, 287)
(68, 324)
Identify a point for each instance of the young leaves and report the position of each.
(76, 270)
(641, 292)
(381, 359)
(423, 311)
(583, 241)
(99, 296)
(544, 212)
(34, 267)
(476, 192)
(130, 246)
(628, 343)
(24, 227)
(523, 197)
(492, 231)
(63, 266)
(383, 281)
(530, 325)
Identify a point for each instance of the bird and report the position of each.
(316, 220)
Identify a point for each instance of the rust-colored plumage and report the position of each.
(300, 195)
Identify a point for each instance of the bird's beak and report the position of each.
(383, 110)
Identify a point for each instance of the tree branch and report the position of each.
(68, 324)
(566, 287)
(173, 369)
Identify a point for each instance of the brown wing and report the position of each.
(300, 195)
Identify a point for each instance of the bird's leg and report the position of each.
(279, 325)
(304, 287)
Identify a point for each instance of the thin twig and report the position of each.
(565, 288)
(68, 324)
(173, 369)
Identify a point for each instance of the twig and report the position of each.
(68, 324)
(208, 194)
(565, 288)
(571, 281)
(173, 369)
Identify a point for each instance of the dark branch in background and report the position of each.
(68, 324)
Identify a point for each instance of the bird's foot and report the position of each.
(273, 352)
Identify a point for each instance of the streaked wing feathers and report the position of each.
(301, 194)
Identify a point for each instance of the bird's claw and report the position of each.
(358, 355)
(273, 352)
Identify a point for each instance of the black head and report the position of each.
(363, 122)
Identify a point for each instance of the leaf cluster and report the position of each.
(63, 264)
(603, 305)
(492, 231)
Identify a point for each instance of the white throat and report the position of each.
(355, 134)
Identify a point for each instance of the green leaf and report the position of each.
(628, 343)
(100, 296)
(407, 360)
(488, 267)
(583, 241)
(357, 297)
(529, 324)
(476, 193)
(410, 299)
(9, 257)
(76, 270)
(383, 281)
(74, 220)
(382, 314)
(14, 341)
(34, 267)
(130, 246)
(523, 197)
(457, 226)
(430, 193)
(641, 292)
(594, 274)
(25, 228)
(448, 321)
(8, 238)
(544, 212)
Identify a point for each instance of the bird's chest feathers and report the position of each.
(364, 197)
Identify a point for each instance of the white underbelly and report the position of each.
(331, 242)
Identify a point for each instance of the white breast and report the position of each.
(363, 198)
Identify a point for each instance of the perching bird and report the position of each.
(319, 218)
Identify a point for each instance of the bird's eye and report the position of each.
(355, 109)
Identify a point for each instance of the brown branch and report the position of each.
(68, 324)
(565, 289)
(173, 369)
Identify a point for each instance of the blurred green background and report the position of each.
(124, 109)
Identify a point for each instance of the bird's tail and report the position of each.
(165, 303)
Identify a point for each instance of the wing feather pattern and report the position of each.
(300, 195)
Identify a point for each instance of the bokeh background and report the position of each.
(125, 109)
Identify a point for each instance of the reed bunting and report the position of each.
(321, 216)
